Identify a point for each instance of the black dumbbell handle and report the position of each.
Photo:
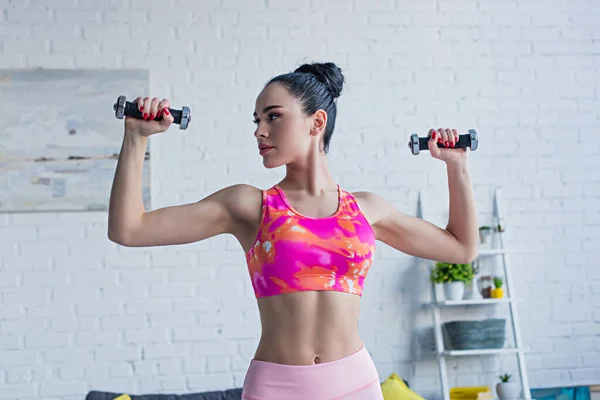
(131, 110)
(464, 141)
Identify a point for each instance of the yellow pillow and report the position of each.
(394, 388)
(123, 397)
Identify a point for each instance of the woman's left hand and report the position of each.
(447, 137)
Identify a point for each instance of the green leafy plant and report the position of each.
(485, 228)
(449, 272)
(504, 378)
(498, 282)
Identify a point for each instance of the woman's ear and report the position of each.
(319, 123)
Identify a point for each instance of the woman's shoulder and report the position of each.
(373, 205)
(243, 200)
(364, 196)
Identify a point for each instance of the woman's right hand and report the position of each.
(151, 108)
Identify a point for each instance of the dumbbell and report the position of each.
(126, 108)
(467, 140)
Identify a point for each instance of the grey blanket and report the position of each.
(231, 394)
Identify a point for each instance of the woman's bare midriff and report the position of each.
(302, 328)
(306, 328)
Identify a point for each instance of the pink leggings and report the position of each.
(350, 378)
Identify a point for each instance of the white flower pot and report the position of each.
(454, 290)
(508, 391)
(484, 235)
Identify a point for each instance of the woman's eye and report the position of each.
(270, 117)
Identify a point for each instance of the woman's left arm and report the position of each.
(462, 219)
(458, 242)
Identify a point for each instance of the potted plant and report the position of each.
(484, 233)
(498, 292)
(453, 277)
(500, 226)
(507, 390)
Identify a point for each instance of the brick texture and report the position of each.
(79, 313)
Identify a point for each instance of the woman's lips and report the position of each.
(265, 150)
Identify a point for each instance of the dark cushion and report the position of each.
(231, 394)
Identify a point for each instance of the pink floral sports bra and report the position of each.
(294, 253)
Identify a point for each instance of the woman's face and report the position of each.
(284, 133)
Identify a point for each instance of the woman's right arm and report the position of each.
(129, 224)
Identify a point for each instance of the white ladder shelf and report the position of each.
(438, 305)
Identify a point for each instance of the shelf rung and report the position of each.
(467, 302)
(482, 352)
(494, 252)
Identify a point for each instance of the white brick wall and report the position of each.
(79, 313)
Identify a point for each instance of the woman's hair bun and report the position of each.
(327, 73)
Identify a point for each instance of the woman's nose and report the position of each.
(260, 133)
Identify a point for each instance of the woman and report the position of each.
(309, 244)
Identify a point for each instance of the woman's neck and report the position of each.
(312, 176)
